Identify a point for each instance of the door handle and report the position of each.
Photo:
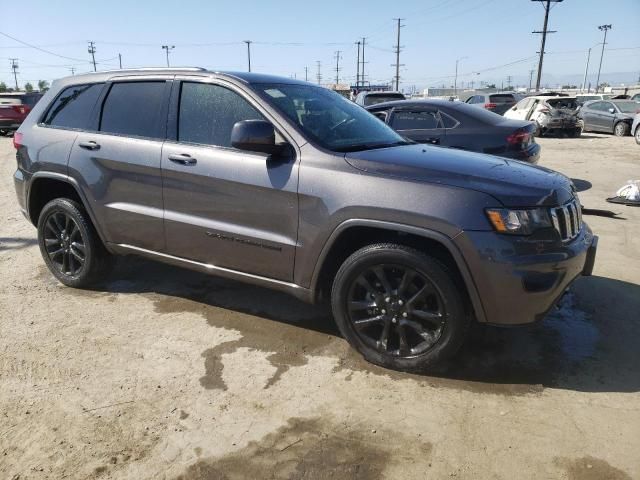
(90, 145)
(182, 159)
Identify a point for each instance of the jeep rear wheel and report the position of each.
(70, 245)
(399, 307)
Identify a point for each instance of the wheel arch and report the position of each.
(46, 186)
(354, 234)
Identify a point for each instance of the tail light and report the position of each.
(490, 105)
(22, 109)
(518, 137)
(17, 140)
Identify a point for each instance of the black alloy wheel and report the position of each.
(64, 243)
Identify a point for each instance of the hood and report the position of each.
(513, 183)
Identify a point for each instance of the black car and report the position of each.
(459, 125)
(613, 116)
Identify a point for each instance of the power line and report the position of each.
(38, 48)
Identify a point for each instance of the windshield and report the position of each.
(329, 119)
(628, 107)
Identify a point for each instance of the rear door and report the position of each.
(606, 118)
(118, 164)
(422, 125)
(223, 206)
(589, 113)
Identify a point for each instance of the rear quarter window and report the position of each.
(73, 107)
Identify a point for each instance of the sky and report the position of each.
(491, 39)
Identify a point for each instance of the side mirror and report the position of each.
(514, 108)
(612, 110)
(255, 136)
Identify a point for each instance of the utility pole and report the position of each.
(358, 66)
(306, 74)
(337, 57)
(602, 28)
(72, 70)
(92, 51)
(319, 74)
(586, 71)
(547, 7)
(531, 72)
(455, 81)
(120, 60)
(397, 50)
(14, 67)
(248, 42)
(509, 78)
(167, 49)
(362, 71)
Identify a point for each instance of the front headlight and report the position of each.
(518, 222)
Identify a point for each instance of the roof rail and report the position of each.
(151, 69)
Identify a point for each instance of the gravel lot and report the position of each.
(163, 373)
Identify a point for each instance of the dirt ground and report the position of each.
(167, 374)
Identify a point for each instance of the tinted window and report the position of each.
(133, 108)
(628, 107)
(447, 120)
(208, 113)
(505, 98)
(415, 120)
(596, 106)
(73, 107)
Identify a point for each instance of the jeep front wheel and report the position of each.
(70, 245)
(399, 307)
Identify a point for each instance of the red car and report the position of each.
(14, 108)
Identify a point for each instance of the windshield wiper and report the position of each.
(371, 146)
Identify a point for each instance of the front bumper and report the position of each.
(519, 279)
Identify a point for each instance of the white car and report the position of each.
(557, 114)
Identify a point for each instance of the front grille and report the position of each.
(567, 220)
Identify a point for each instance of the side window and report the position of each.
(208, 112)
(596, 106)
(447, 120)
(73, 107)
(606, 106)
(381, 114)
(415, 120)
(133, 108)
(524, 104)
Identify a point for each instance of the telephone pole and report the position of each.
(337, 57)
(306, 74)
(602, 28)
(14, 67)
(72, 70)
(248, 42)
(167, 49)
(92, 51)
(120, 60)
(547, 7)
(319, 74)
(509, 78)
(362, 71)
(397, 50)
(531, 72)
(358, 66)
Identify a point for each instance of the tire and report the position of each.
(70, 245)
(364, 305)
(637, 135)
(575, 133)
(538, 130)
(621, 129)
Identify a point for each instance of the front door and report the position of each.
(422, 126)
(119, 164)
(223, 206)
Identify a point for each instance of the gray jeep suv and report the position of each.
(290, 186)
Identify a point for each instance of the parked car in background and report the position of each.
(289, 185)
(613, 116)
(458, 125)
(635, 128)
(14, 108)
(495, 102)
(582, 98)
(365, 99)
(550, 114)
